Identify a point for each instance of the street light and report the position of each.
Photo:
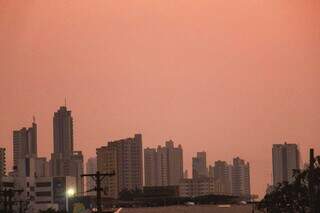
(69, 193)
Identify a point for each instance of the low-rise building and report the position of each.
(196, 187)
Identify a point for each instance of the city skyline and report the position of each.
(228, 78)
(200, 155)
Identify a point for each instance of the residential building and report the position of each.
(91, 168)
(42, 167)
(64, 160)
(211, 171)
(185, 174)
(196, 187)
(124, 157)
(150, 167)
(222, 177)
(240, 178)
(285, 159)
(24, 144)
(164, 165)
(199, 165)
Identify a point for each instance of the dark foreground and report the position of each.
(192, 209)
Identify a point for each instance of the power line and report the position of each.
(98, 178)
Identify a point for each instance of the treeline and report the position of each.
(301, 195)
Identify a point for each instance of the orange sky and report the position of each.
(229, 77)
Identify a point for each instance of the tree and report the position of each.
(298, 196)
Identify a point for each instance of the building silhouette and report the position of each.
(285, 159)
(240, 177)
(124, 157)
(199, 165)
(222, 177)
(64, 160)
(163, 166)
(24, 144)
(192, 187)
(185, 174)
(91, 168)
(2, 162)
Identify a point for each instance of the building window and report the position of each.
(43, 194)
(43, 184)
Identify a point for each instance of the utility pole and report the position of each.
(98, 178)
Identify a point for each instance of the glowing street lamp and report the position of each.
(69, 193)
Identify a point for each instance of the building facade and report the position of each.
(124, 157)
(24, 144)
(164, 165)
(64, 160)
(285, 159)
(91, 168)
(199, 165)
(196, 187)
(240, 178)
(222, 177)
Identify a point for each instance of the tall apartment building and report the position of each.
(91, 168)
(185, 174)
(222, 177)
(42, 167)
(211, 171)
(107, 162)
(240, 177)
(285, 159)
(152, 175)
(26, 162)
(124, 157)
(64, 160)
(2, 162)
(24, 144)
(164, 165)
(199, 165)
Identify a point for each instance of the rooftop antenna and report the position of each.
(34, 119)
(65, 101)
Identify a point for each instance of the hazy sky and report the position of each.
(231, 77)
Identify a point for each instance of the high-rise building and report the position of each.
(124, 157)
(222, 177)
(107, 162)
(42, 167)
(26, 162)
(2, 162)
(91, 168)
(285, 159)
(63, 131)
(240, 177)
(175, 158)
(199, 165)
(211, 171)
(185, 174)
(164, 165)
(150, 167)
(24, 144)
(64, 160)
